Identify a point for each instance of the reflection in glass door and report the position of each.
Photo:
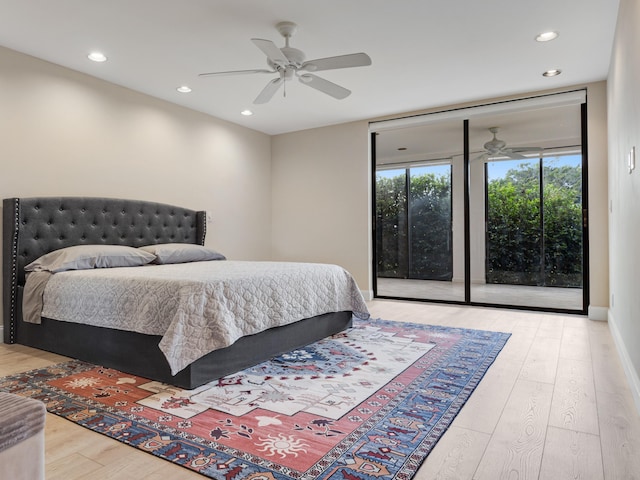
(430, 255)
(414, 243)
(513, 239)
(533, 237)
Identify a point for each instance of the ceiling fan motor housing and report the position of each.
(495, 145)
(296, 58)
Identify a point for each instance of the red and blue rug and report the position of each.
(368, 403)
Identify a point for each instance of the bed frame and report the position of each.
(35, 226)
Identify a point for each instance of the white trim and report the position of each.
(627, 365)
(367, 294)
(575, 97)
(598, 313)
(418, 162)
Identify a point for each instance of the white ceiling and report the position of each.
(425, 53)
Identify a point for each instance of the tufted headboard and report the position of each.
(38, 225)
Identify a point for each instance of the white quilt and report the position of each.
(202, 306)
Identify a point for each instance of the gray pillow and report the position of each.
(82, 257)
(181, 253)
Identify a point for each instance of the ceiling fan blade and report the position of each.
(341, 61)
(272, 52)
(526, 149)
(235, 72)
(515, 156)
(325, 86)
(269, 91)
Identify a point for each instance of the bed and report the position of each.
(33, 227)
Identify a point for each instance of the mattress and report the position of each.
(201, 306)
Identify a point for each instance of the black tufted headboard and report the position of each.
(39, 225)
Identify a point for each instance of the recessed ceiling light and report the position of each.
(97, 57)
(552, 73)
(246, 113)
(546, 36)
(183, 89)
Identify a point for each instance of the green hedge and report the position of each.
(427, 225)
(414, 235)
(522, 248)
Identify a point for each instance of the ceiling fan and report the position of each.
(498, 148)
(289, 62)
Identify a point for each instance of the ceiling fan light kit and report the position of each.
(289, 63)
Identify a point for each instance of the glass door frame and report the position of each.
(467, 233)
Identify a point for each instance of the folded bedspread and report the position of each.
(202, 306)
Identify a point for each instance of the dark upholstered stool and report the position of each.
(21, 437)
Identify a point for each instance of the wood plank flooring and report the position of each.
(555, 405)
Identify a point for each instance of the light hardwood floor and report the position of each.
(554, 405)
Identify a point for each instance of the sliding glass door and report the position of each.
(527, 208)
(488, 210)
(414, 242)
(533, 237)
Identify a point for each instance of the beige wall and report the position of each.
(321, 187)
(598, 194)
(321, 197)
(65, 133)
(624, 191)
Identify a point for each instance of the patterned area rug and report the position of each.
(369, 403)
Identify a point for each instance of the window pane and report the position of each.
(513, 222)
(563, 221)
(430, 223)
(391, 223)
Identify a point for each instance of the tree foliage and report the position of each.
(391, 226)
(531, 239)
(527, 245)
(430, 227)
(414, 233)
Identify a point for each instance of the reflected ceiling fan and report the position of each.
(498, 148)
(289, 62)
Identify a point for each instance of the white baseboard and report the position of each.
(598, 313)
(629, 370)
